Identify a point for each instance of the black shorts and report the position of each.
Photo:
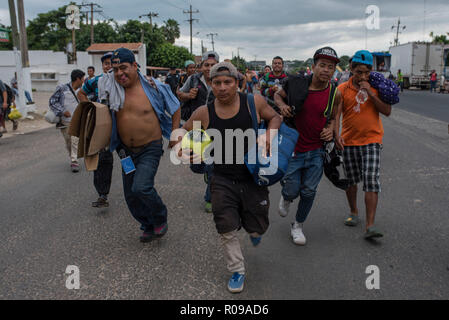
(237, 204)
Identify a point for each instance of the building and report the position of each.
(47, 68)
(257, 65)
(97, 50)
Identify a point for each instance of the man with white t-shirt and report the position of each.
(63, 103)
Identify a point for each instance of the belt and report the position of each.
(139, 149)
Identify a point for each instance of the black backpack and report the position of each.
(10, 98)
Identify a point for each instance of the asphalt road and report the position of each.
(422, 102)
(47, 223)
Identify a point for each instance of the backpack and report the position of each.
(298, 89)
(10, 97)
(333, 157)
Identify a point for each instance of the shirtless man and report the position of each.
(141, 123)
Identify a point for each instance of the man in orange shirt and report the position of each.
(361, 138)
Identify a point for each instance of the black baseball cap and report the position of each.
(326, 53)
(123, 55)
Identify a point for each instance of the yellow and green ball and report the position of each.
(196, 140)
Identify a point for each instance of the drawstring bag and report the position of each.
(264, 174)
(388, 90)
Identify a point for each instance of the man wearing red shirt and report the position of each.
(305, 168)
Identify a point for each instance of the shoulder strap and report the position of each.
(330, 102)
(252, 109)
(73, 92)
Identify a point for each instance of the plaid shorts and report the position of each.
(363, 162)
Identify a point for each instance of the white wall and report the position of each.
(44, 60)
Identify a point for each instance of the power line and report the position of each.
(171, 4)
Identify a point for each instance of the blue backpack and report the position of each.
(261, 171)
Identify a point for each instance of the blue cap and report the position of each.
(123, 55)
(363, 57)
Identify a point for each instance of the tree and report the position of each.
(169, 55)
(48, 31)
(171, 30)
(440, 38)
(344, 62)
(239, 63)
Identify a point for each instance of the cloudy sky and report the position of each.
(262, 29)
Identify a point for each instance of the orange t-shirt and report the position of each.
(359, 128)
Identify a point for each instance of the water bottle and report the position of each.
(361, 98)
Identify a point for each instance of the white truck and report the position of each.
(416, 61)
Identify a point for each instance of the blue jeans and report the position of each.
(433, 86)
(303, 175)
(141, 197)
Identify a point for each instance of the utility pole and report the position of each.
(23, 74)
(150, 15)
(396, 39)
(92, 11)
(191, 21)
(23, 35)
(15, 30)
(212, 37)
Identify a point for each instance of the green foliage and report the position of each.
(442, 38)
(239, 62)
(171, 30)
(344, 62)
(48, 32)
(168, 55)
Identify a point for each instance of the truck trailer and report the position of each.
(416, 61)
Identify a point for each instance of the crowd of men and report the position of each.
(217, 95)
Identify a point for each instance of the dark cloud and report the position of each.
(291, 28)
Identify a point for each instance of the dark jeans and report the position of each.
(209, 173)
(103, 174)
(303, 175)
(433, 86)
(143, 201)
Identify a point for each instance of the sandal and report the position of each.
(352, 220)
(372, 233)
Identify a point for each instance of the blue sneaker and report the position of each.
(255, 241)
(235, 284)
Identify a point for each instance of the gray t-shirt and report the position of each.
(187, 85)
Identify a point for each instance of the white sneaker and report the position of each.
(284, 206)
(297, 234)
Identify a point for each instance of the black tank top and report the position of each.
(242, 120)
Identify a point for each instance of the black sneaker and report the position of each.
(60, 125)
(147, 237)
(161, 230)
(100, 203)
